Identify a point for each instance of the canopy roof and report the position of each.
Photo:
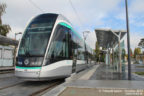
(9, 41)
(108, 38)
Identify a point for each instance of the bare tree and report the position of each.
(4, 28)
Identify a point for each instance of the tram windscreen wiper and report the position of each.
(27, 46)
(27, 53)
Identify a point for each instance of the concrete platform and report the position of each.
(6, 69)
(99, 88)
(81, 85)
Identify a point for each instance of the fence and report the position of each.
(6, 56)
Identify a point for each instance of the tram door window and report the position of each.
(70, 43)
(66, 43)
(59, 45)
(74, 45)
(77, 47)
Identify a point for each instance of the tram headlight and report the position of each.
(32, 63)
(36, 62)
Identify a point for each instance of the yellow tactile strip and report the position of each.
(74, 91)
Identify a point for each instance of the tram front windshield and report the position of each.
(35, 39)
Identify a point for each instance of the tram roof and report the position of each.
(9, 41)
(108, 38)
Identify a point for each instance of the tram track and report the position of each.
(29, 88)
(44, 90)
(12, 85)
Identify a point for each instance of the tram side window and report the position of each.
(80, 49)
(70, 44)
(77, 47)
(74, 45)
(59, 45)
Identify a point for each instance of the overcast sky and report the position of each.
(92, 14)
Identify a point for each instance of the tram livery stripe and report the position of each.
(28, 67)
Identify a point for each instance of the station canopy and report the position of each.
(9, 41)
(108, 38)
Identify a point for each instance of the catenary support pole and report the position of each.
(128, 42)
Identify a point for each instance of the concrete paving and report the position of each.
(79, 87)
(8, 80)
(105, 72)
(7, 75)
(103, 88)
(102, 82)
(88, 75)
(75, 91)
(25, 88)
(99, 80)
(136, 67)
(12, 86)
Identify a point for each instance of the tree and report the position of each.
(4, 28)
(141, 43)
(131, 53)
(137, 51)
(97, 51)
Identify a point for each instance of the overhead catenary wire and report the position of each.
(36, 6)
(75, 11)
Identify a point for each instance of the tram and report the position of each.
(47, 48)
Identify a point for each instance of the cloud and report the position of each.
(134, 40)
(137, 6)
(88, 10)
(91, 39)
(136, 21)
(11, 34)
(136, 10)
(18, 12)
(91, 13)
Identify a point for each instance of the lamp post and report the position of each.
(15, 48)
(84, 36)
(17, 34)
(128, 42)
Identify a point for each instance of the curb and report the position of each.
(138, 75)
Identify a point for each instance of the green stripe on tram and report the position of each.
(66, 25)
(28, 67)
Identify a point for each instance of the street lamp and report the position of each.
(14, 59)
(85, 34)
(128, 42)
(17, 34)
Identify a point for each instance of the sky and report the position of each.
(90, 14)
